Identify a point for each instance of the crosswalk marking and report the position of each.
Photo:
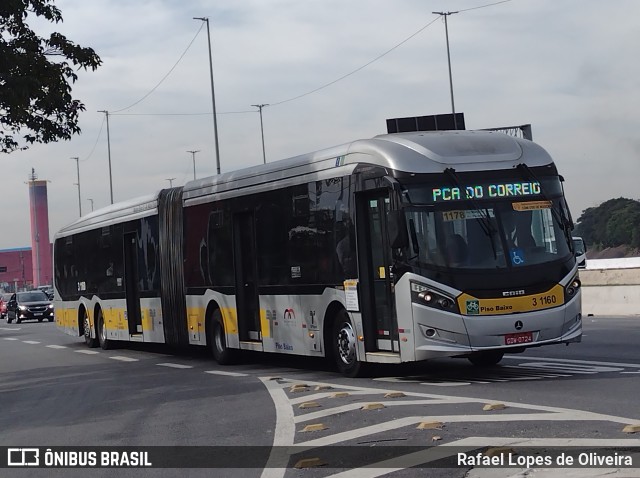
(87, 352)
(123, 359)
(57, 346)
(175, 365)
(229, 374)
(31, 342)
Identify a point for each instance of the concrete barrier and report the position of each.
(610, 291)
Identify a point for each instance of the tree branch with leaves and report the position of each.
(36, 75)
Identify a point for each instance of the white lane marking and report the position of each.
(358, 405)
(285, 418)
(319, 396)
(10, 328)
(122, 358)
(571, 415)
(572, 368)
(87, 352)
(174, 365)
(285, 429)
(57, 346)
(9, 338)
(229, 374)
(584, 362)
(32, 342)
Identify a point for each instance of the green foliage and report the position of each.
(615, 222)
(36, 76)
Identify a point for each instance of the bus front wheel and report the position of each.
(344, 346)
(223, 354)
(487, 358)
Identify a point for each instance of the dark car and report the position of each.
(31, 305)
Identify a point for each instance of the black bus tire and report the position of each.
(223, 354)
(487, 358)
(344, 343)
(105, 343)
(91, 342)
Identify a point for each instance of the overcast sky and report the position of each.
(568, 67)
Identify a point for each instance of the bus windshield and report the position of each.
(497, 235)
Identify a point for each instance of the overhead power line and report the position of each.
(275, 103)
(165, 76)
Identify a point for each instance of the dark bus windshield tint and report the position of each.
(499, 235)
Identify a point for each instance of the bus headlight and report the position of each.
(425, 295)
(571, 289)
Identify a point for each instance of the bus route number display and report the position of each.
(484, 191)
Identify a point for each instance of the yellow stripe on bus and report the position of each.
(470, 305)
(230, 319)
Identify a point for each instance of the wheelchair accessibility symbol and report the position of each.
(517, 257)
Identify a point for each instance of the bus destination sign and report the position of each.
(486, 191)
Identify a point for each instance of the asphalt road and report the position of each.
(55, 392)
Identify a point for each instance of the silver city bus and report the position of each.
(399, 248)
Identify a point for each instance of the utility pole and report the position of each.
(446, 29)
(213, 95)
(78, 183)
(170, 182)
(109, 152)
(193, 155)
(264, 155)
(89, 199)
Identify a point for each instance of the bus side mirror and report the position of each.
(397, 230)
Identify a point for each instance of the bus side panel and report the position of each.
(152, 330)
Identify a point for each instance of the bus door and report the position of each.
(245, 260)
(376, 281)
(134, 317)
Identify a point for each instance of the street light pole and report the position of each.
(170, 182)
(193, 155)
(78, 171)
(264, 154)
(213, 95)
(446, 30)
(109, 152)
(89, 199)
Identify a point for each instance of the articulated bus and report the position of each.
(400, 248)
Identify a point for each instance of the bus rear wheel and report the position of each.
(91, 342)
(223, 354)
(105, 343)
(487, 358)
(344, 346)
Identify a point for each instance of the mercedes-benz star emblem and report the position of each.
(519, 325)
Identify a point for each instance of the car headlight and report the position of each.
(22, 307)
(425, 295)
(51, 306)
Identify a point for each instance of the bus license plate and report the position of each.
(519, 338)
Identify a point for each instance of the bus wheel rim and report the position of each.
(103, 332)
(87, 329)
(347, 344)
(219, 339)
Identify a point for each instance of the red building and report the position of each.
(16, 270)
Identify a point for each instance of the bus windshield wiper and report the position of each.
(483, 220)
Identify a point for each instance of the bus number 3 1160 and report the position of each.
(544, 300)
